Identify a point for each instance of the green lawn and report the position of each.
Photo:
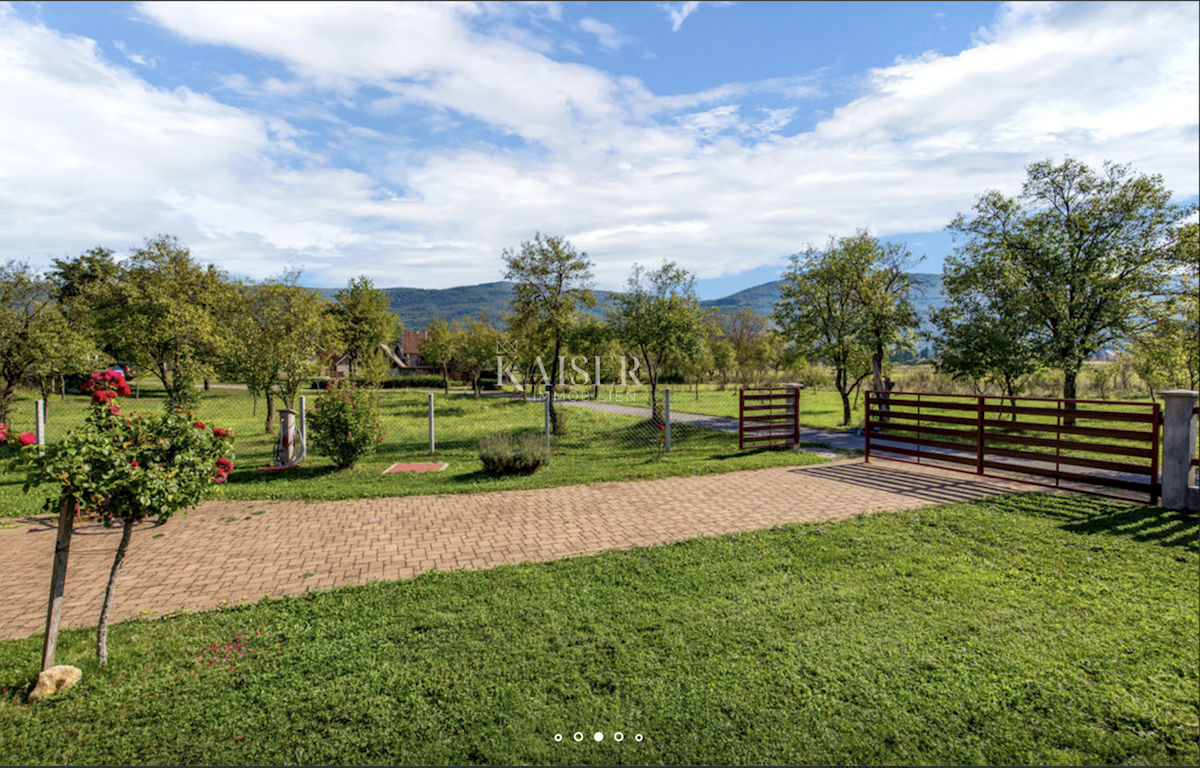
(596, 447)
(1031, 629)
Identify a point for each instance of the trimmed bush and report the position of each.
(507, 454)
(413, 382)
(344, 424)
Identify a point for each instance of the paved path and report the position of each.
(237, 552)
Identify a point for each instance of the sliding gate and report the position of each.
(1064, 443)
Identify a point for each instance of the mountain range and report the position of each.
(417, 306)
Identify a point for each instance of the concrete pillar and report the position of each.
(1179, 446)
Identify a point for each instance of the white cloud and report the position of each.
(93, 155)
(678, 12)
(136, 58)
(606, 34)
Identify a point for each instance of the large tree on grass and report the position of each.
(167, 313)
(1087, 252)
(848, 307)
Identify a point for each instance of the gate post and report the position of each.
(867, 430)
(1178, 448)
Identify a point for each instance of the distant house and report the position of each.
(405, 356)
(410, 351)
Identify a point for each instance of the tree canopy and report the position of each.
(1085, 251)
(848, 307)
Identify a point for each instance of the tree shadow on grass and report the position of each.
(1152, 525)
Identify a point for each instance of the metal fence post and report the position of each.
(431, 445)
(302, 421)
(39, 416)
(547, 418)
(667, 426)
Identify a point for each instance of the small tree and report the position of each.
(437, 348)
(475, 348)
(659, 316)
(847, 307)
(125, 467)
(553, 281)
(363, 321)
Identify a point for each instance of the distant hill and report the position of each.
(417, 306)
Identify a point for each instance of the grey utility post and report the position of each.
(39, 425)
(547, 418)
(1179, 446)
(667, 425)
(287, 428)
(302, 420)
(430, 423)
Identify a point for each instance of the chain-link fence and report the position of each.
(612, 423)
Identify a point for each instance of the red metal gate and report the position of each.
(768, 417)
(1052, 439)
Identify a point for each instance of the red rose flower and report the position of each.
(133, 463)
(219, 478)
(27, 438)
(198, 424)
(114, 409)
(3, 432)
(218, 432)
(224, 465)
(102, 396)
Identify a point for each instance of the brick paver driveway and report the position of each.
(238, 552)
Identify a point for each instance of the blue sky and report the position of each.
(414, 143)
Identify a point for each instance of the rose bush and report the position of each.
(344, 424)
(125, 466)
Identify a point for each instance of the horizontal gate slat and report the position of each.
(1144, 418)
(966, 447)
(924, 430)
(1068, 445)
(923, 417)
(1117, 434)
(1111, 482)
(1077, 461)
(970, 460)
(924, 404)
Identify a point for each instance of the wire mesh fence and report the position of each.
(613, 422)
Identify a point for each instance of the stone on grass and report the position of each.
(55, 680)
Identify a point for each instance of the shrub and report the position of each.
(413, 382)
(344, 424)
(507, 454)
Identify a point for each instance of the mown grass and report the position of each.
(1029, 629)
(596, 447)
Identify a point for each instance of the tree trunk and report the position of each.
(877, 369)
(446, 378)
(269, 425)
(1069, 377)
(554, 426)
(840, 379)
(110, 592)
(58, 580)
